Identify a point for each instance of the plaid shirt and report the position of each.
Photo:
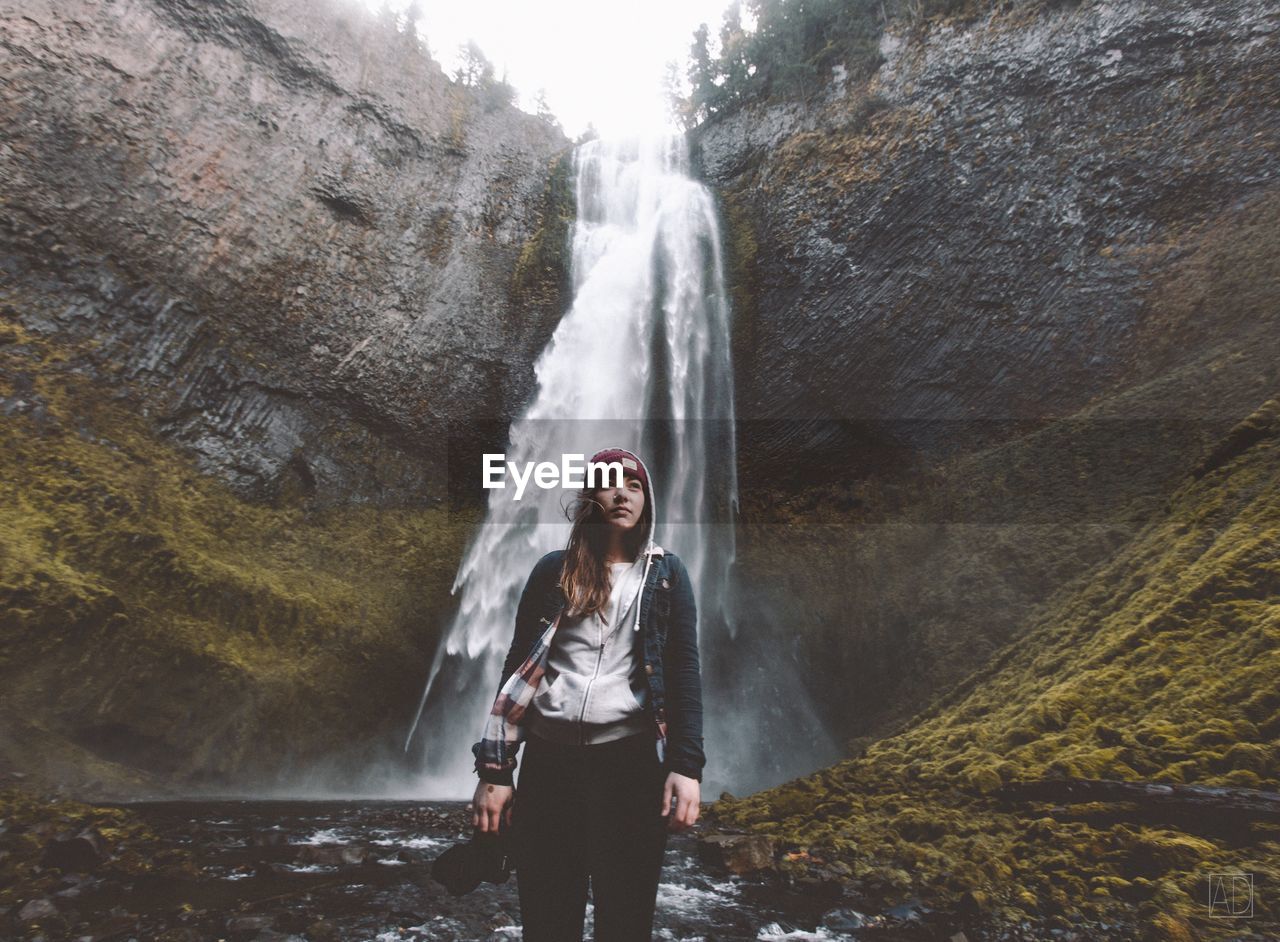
(504, 727)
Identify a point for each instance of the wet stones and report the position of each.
(37, 909)
(244, 924)
(845, 920)
(80, 852)
(333, 855)
(182, 934)
(269, 839)
(322, 931)
(42, 914)
(737, 853)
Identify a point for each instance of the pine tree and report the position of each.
(704, 93)
(474, 68)
(734, 62)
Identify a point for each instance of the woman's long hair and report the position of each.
(584, 577)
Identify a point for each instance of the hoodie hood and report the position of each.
(650, 548)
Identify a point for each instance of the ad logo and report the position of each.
(1231, 895)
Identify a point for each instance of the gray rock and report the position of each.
(738, 853)
(80, 852)
(37, 909)
(294, 240)
(972, 237)
(844, 919)
(249, 923)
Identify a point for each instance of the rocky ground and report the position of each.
(183, 871)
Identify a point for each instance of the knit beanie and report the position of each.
(628, 460)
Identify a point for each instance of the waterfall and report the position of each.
(641, 360)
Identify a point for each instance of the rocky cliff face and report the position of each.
(267, 275)
(975, 234)
(992, 307)
(316, 259)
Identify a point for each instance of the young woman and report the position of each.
(603, 675)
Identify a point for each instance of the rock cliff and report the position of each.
(992, 306)
(1007, 356)
(975, 237)
(317, 259)
(268, 275)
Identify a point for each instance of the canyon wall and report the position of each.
(270, 280)
(992, 306)
(316, 260)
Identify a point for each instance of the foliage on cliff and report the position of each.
(152, 620)
(1164, 667)
(539, 282)
(792, 49)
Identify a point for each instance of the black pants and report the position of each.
(589, 813)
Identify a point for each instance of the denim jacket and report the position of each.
(667, 643)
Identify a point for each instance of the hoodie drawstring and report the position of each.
(648, 558)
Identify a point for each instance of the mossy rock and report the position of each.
(983, 779)
(256, 634)
(1163, 927)
(915, 824)
(1153, 852)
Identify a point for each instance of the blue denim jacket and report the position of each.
(668, 654)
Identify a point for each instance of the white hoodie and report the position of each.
(588, 694)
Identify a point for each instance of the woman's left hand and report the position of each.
(688, 793)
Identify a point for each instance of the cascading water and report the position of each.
(641, 360)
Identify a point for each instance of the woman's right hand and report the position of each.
(488, 805)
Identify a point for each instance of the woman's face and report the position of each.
(622, 505)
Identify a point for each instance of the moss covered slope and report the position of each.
(154, 626)
(1164, 667)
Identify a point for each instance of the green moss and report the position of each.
(155, 617)
(540, 277)
(1163, 666)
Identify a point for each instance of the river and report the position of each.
(359, 871)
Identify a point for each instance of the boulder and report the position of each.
(738, 853)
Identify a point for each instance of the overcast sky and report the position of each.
(598, 61)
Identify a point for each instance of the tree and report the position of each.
(543, 110)
(412, 14)
(476, 71)
(734, 63)
(676, 93)
(474, 68)
(497, 93)
(792, 51)
(704, 92)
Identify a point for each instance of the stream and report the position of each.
(342, 871)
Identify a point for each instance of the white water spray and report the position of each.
(642, 361)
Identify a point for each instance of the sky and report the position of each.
(598, 61)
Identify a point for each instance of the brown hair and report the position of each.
(584, 577)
